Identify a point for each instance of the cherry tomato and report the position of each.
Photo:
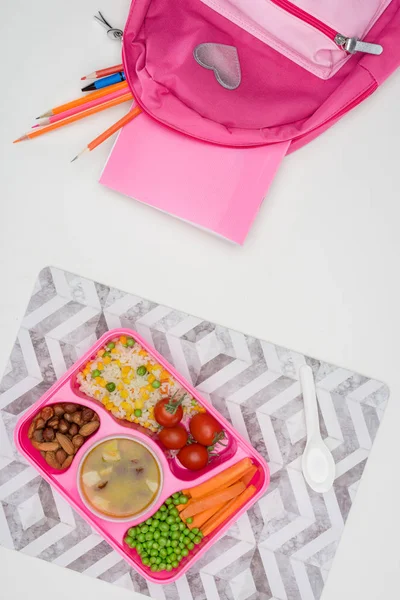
(205, 429)
(173, 438)
(193, 457)
(168, 412)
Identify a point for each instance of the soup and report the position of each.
(120, 478)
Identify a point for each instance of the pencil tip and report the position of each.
(83, 78)
(34, 126)
(75, 158)
(48, 113)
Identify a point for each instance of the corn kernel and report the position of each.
(106, 360)
(86, 372)
(151, 378)
(147, 424)
(100, 366)
(125, 371)
(115, 412)
(117, 362)
(122, 339)
(114, 351)
(124, 394)
(120, 387)
(105, 400)
(101, 382)
(96, 394)
(126, 380)
(149, 388)
(125, 405)
(139, 403)
(164, 374)
(100, 352)
(110, 405)
(142, 353)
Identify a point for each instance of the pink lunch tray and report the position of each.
(176, 477)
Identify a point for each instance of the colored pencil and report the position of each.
(103, 72)
(104, 82)
(79, 109)
(110, 131)
(86, 113)
(84, 99)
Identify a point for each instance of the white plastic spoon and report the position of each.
(317, 463)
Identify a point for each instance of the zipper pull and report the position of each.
(354, 45)
(112, 32)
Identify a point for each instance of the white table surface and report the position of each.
(319, 272)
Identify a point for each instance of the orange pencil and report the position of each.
(104, 72)
(91, 111)
(83, 99)
(110, 131)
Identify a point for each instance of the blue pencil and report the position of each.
(105, 82)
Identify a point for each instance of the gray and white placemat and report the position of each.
(284, 546)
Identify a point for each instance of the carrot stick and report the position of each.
(198, 506)
(180, 507)
(248, 476)
(227, 477)
(203, 517)
(227, 511)
(186, 492)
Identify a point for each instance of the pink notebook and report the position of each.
(216, 188)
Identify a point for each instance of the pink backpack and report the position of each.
(256, 72)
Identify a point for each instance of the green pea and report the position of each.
(145, 561)
(128, 540)
(149, 521)
(163, 552)
(200, 535)
(141, 371)
(176, 495)
(178, 556)
(162, 566)
(178, 520)
(181, 537)
(153, 552)
(170, 520)
(187, 531)
(182, 526)
(174, 512)
(192, 535)
(195, 530)
(197, 540)
(156, 535)
(133, 544)
(163, 516)
(110, 386)
(132, 532)
(169, 567)
(148, 536)
(152, 560)
(130, 342)
(137, 412)
(168, 501)
(157, 515)
(172, 556)
(141, 537)
(144, 555)
(96, 373)
(163, 508)
(174, 543)
(190, 546)
(174, 535)
(139, 548)
(189, 520)
(162, 541)
(156, 384)
(183, 499)
(185, 552)
(181, 545)
(110, 346)
(174, 527)
(169, 550)
(175, 564)
(176, 501)
(164, 527)
(155, 524)
(186, 541)
(144, 529)
(108, 354)
(154, 568)
(158, 560)
(155, 546)
(168, 560)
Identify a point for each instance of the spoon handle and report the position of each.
(310, 400)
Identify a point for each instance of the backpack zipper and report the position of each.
(348, 44)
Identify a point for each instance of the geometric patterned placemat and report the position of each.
(283, 547)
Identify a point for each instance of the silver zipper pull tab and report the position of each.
(354, 45)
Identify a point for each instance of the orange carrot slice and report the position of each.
(248, 476)
(220, 496)
(223, 479)
(203, 517)
(227, 511)
(180, 507)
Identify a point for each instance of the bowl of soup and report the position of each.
(120, 478)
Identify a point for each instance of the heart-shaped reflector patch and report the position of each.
(221, 59)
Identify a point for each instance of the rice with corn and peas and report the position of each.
(129, 383)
